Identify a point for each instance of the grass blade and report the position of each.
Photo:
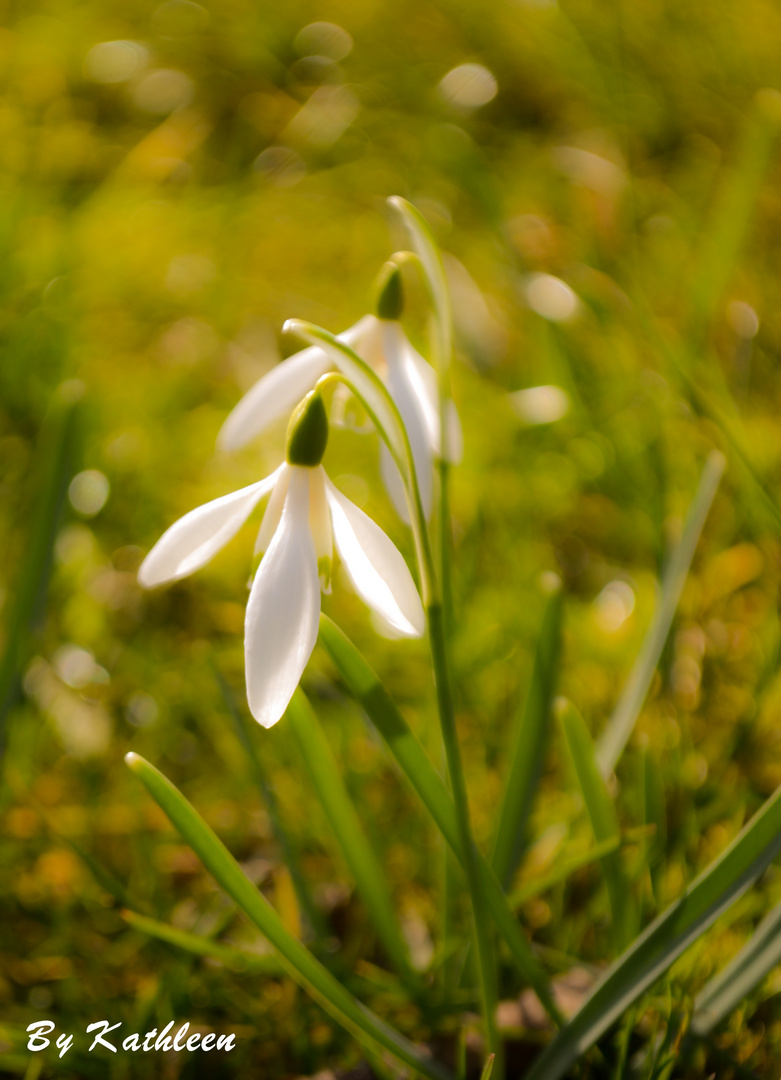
(427, 782)
(488, 1068)
(56, 463)
(661, 943)
(529, 741)
(296, 959)
(361, 860)
(726, 990)
(604, 822)
(236, 959)
(287, 847)
(562, 872)
(620, 725)
(735, 208)
(654, 815)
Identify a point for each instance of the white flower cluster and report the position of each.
(306, 515)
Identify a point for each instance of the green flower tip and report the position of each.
(307, 432)
(389, 296)
(131, 759)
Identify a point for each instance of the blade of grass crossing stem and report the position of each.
(287, 847)
(622, 721)
(661, 943)
(57, 454)
(529, 739)
(604, 823)
(325, 775)
(755, 960)
(734, 211)
(297, 960)
(430, 787)
(236, 959)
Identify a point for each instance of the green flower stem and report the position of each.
(485, 957)
(294, 957)
(427, 782)
(439, 608)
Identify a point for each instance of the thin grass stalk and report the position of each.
(297, 960)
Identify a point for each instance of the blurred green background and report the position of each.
(175, 182)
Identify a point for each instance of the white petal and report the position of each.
(394, 484)
(405, 389)
(376, 567)
(320, 526)
(273, 512)
(424, 378)
(199, 535)
(272, 397)
(283, 612)
(279, 391)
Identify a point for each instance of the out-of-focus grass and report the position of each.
(166, 203)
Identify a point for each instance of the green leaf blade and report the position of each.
(744, 972)
(622, 721)
(299, 963)
(342, 816)
(529, 741)
(604, 822)
(661, 943)
(426, 781)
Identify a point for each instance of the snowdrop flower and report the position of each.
(305, 517)
(412, 383)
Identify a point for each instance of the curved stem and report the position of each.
(400, 449)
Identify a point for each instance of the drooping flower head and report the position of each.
(305, 516)
(379, 340)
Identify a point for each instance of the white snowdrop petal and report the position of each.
(394, 485)
(198, 536)
(405, 388)
(272, 397)
(375, 566)
(283, 612)
(273, 513)
(278, 392)
(424, 379)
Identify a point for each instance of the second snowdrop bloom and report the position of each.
(305, 517)
(412, 383)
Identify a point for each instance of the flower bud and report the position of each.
(389, 302)
(307, 432)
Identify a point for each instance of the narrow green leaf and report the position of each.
(529, 740)
(622, 721)
(726, 990)
(562, 872)
(287, 847)
(297, 960)
(654, 815)
(57, 454)
(734, 211)
(427, 782)
(361, 860)
(488, 1068)
(661, 943)
(237, 959)
(604, 822)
